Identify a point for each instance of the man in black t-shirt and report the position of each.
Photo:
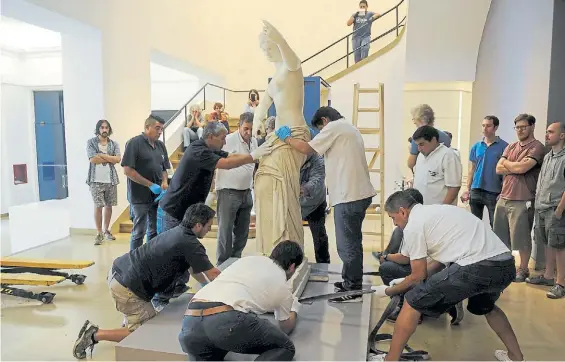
(137, 276)
(145, 163)
(193, 178)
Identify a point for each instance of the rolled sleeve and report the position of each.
(282, 313)
(452, 170)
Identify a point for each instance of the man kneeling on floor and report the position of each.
(479, 267)
(137, 276)
(222, 316)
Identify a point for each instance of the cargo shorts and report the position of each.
(513, 222)
(549, 230)
(104, 194)
(136, 310)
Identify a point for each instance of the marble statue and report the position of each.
(277, 181)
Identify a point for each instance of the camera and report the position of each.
(252, 97)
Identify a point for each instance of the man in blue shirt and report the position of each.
(483, 184)
(362, 20)
(423, 115)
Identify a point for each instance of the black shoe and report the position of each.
(348, 299)
(338, 287)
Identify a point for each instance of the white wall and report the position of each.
(445, 37)
(513, 65)
(170, 88)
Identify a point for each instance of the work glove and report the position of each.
(263, 150)
(396, 281)
(296, 306)
(283, 133)
(161, 195)
(156, 189)
(379, 290)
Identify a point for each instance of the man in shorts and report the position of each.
(137, 276)
(103, 153)
(514, 213)
(477, 266)
(549, 218)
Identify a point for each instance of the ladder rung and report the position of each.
(369, 130)
(372, 149)
(368, 109)
(368, 90)
(375, 170)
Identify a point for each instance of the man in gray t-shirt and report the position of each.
(362, 21)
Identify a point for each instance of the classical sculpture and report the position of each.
(277, 181)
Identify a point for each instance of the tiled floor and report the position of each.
(32, 331)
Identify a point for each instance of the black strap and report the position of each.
(374, 336)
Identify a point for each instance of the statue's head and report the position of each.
(270, 48)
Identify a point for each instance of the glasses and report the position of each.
(521, 128)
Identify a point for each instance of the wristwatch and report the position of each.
(385, 256)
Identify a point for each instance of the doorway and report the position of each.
(50, 145)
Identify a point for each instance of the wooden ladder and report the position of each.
(377, 152)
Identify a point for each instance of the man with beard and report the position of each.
(103, 153)
(514, 214)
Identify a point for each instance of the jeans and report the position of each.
(348, 219)
(395, 242)
(189, 135)
(144, 220)
(234, 216)
(363, 43)
(165, 221)
(481, 198)
(390, 270)
(317, 224)
(210, 338)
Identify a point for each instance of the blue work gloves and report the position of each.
(161, 195)
(283, 133)
(156, 189)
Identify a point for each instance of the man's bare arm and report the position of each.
(288, 325)
(500, 168)
(300, 146)
(520, 167)
(419, 272)
(451, 195)
(136, 177)
(97, 160)
(234, 160)
(398, 259)
(470, 174)
(411, 162)
(110, 159)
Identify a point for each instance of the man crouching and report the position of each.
(137, 276)
(222, 316)
(479, 267)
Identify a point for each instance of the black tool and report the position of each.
(374, 337)
(315, 298)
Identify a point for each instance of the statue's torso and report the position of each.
(287, 91)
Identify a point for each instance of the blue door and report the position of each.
(50, 145)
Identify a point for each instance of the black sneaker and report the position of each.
(338, 287)
(85, 340)
(348, 299)
(457, 313)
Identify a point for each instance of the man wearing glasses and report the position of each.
(514, 214)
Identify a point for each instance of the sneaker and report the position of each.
(521, 275)
(180, 289)
(377, 255)
(125, 322)
(502, 355)
(540, 280)
(109, 236)
(457, 313)
(348, 299)
(99, 239)
(338, 287)
(85, 340)
(376, 357)
(558, 291)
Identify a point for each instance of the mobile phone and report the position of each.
(252, 97)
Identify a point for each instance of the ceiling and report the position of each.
(23, 37)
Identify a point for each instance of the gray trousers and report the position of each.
(348, 219)
(361, 47)
(210, 338)
(234, 216)
(189, 135)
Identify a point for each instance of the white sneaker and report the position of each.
(502, 355)
(376, 357)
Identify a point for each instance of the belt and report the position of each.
(207, 311)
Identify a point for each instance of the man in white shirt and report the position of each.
(349, 187)
(233, 187)
(222, 316)
(438, 171)
(479, 267)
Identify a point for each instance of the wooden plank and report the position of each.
(369, 130)
(29, 279)
(369, 110)
(368, 90)
(45, 263)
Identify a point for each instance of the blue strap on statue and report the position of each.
(283, 133)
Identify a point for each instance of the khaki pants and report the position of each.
(136, 310)
(513, 221)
